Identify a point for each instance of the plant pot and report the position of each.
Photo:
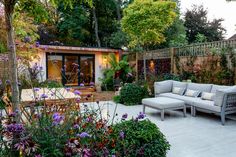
(98, 89)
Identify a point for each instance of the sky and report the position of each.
(216, 9)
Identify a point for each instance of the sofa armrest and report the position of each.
(229, 102)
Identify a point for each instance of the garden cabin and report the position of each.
(73, 66)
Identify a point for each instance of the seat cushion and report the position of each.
(200, 87)
(216, 87)
(162, 102)
(188, 100)
(206, 104)
(220, 93)
(163, 87)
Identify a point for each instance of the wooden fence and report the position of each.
(156, 60)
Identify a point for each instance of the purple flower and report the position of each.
(36, 89)
(57, 118)
(76, 126)
(81, 84)
(27, 39)
(88, 119)
(76, 92)
(78, 100)
(8, 81)
(86, 153)
(41, 68)
(67, 89)
(37, 44)
(38, 155)
(124, 116)
(45, 47)
(44, 96)
(91, 84)
(0, 82)
(113, 156)
(141, 115)
(84, 134)
(17, 128)
(122, 135)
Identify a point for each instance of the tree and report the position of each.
(9, 8)
(145, 21)
(176, 33)
(196, 22)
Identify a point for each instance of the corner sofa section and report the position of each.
(223, 99)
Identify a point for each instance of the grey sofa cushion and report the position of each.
(188, 100)
(163, 87)
(206, 104)
(200, 87)
(220, 93)
(216, 87)
(180, 84)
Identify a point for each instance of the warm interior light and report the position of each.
(152, 65)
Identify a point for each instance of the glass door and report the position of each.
(54, 66)
(71, 70)
(87, 66)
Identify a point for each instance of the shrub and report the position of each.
(116, 99)
(132, 94)
(140, 138)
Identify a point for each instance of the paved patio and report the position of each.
(200, 136)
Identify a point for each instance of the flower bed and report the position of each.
(83, 133)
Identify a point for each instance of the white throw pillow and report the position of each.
(178, 90)
(207, 96)
(192, 93)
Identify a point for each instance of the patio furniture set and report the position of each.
(209, 98)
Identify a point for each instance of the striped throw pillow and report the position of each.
(178, 90)
(192, 93)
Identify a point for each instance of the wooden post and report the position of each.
(144, 66)
(172, 62)
(136, 66)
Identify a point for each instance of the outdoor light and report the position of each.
(104, 60)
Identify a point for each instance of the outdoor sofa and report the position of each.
(209, 98)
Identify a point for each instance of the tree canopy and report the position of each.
(196, 22)
(145, 21)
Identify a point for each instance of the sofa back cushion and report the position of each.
(179, 84)
(200, 87)
(163, 87)
(216, 87)
(220, 93)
